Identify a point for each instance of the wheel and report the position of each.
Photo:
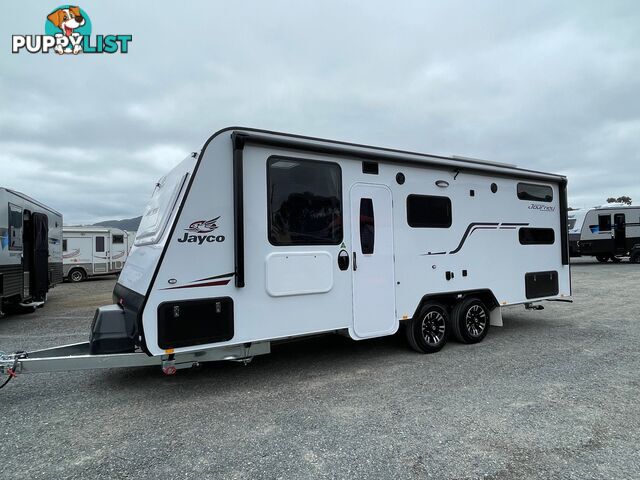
(470, 320)
(427, 331)
(615, 259)
(635, 257)
(602, 258)
(77, 275)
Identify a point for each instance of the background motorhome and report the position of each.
(91, 251)
(607, 232)
(30, 249)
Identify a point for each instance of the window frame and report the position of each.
(104, 244)
(272, 159)
(10, 228)
(607, 215)
(413, 225)
(525, 196)
(523, 229)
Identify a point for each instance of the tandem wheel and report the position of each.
(427, 331)
(470, 320)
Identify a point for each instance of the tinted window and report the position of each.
(304, 202)
(64, 245)
(536, 236)
(537, 193)
(367, 230)
(118, 239)
(15, 227)
(99, 244)
(604, 223)
(428, 211)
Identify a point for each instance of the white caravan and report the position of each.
(607, 232)
(264, 236)
(93, 251)
(30, 250)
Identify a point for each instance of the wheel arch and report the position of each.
(451, 298)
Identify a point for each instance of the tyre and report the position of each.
(470, 320)
(602, 258)
(635, 257)
(427, 331)
(77, 275)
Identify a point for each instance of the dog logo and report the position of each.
(67, 20)
(203, 226)
(67, 30)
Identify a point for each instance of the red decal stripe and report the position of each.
(208, 284)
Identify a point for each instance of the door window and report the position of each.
(367, 227)
(99, 244)
(618, 219)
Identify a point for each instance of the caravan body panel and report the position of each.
(229, 244)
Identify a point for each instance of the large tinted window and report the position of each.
(15, 227)
(304, 202)
(536, 236)
(428, 211)
(604, 223)
(537, 193)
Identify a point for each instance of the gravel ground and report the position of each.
(552, 394)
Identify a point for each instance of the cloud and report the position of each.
(543, 85)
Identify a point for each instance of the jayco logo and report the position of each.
(68, 30)
(202, 226)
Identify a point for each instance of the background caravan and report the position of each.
(607, 232)
(265, 236)
(92, 251)
(30, 250)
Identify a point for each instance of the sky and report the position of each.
(545, 85)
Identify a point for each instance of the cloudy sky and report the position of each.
(543, 84)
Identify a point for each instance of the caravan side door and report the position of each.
(101, 254)
(372, 261)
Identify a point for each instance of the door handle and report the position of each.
(355, 264)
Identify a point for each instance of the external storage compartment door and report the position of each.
(40, 270)
(372, 263)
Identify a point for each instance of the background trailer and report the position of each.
(30, 249)
(91, 251)
(265, 236)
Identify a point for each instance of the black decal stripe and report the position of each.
(514, 224)
(434, 253)
(215, 277)
(468, 231)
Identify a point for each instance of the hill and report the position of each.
(130, 224)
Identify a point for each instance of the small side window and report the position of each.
(117, 239)
(428, 211)
(604, 223)
(535, 192)
(64, 245)
(99, 244)
(367, 226)
(536, 236)
(15, 227)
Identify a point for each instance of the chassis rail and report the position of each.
(76, 356)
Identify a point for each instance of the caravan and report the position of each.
(93, 251)
(263, 236)
(30, 250)
(607, 232)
